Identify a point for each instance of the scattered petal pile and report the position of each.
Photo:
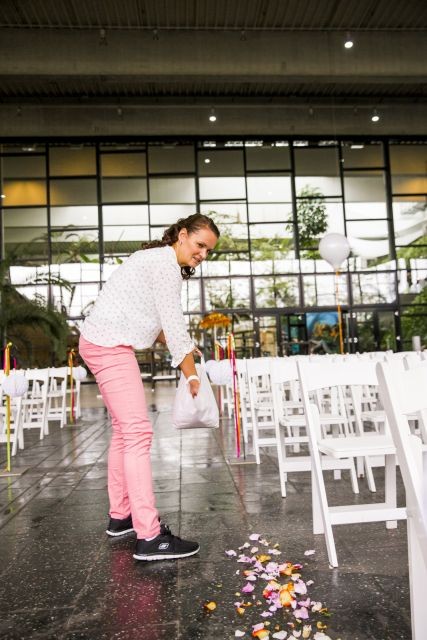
(274, 592)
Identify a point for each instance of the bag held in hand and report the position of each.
(199, 412)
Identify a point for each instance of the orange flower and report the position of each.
(261, 633)
(210, 606)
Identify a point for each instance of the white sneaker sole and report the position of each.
(114, 534)
(163, 556)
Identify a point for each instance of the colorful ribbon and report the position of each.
(231, 352)
(6, 364)
(71, 355)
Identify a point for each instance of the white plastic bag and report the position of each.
(199, 412)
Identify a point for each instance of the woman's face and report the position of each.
(192, 248)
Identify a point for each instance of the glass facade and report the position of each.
(70, 214)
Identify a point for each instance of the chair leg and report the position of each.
(321, 519)
(353, 478)
(369, 475)
(390, 487)
(417, 582)
(281, 454)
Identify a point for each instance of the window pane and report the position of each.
(170, 213)
(191, 295)
(377, 287)
(123, 164)
(120, 240)
(409, 215)
(319, 290)
(168, 159)
(270, 243)
(122, 214)
(24, 167)
(264, 158)
(77, 216)
(228, 264)
(362, 154)
(408, 167)
(124, 190)
(173, 190)
(222, 188)
(270, 212)
(312, 161)
(224, 212)
(72, 161)
(74, 245)
(364, 187)
(21, 193)
(276, 291)
(269, 189)
(220, 163)
(369, 239)
(73, 191)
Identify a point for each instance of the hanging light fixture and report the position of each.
(212, 115)
(375, 116)
(348, 43)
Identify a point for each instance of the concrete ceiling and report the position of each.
(75, 68)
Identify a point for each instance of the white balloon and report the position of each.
(334, 248)
(15, 384)
(79, 373)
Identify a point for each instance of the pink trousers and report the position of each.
(130, 482)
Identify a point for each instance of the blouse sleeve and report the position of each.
(167, 284)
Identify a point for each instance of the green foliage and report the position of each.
(27, 322)
(414, 320)
(312, 216)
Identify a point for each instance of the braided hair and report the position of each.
(193, 223)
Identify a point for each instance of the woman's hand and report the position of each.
(197, 351)
(194, 386)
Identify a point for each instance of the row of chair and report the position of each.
(46, 400)
(349, 413)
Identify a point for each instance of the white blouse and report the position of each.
(139, 300)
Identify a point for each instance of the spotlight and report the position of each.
(375, 116)
(119, 112)
(2, 196)
(348, 43)
(212, 116)
(207, 160)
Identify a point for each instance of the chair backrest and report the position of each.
(403, 393)
(283, 370)
(321, 375)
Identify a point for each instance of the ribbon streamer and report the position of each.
(6, 363)
(71, 355)
(337, 300)
(231, 352)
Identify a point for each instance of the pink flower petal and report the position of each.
(231, 553)
(248, 588)
(257, 627)
(309, 552)
(266, 614)
(254, 536)
(301, 613)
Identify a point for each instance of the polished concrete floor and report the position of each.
(61, 577)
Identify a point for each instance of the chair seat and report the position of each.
(354, 446)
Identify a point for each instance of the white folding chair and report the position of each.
(57, 395)
(16, 434)
(314, 376)
(76, 391)
(404, 393)
(289, 420)
(34, 403)
(261, 405)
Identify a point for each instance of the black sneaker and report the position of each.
(164, 547)
(118, 527)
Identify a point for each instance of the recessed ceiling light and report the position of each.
(348, 43)
(207, 160)
(212, 116)
(375, 116)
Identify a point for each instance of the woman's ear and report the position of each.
(182, 235)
